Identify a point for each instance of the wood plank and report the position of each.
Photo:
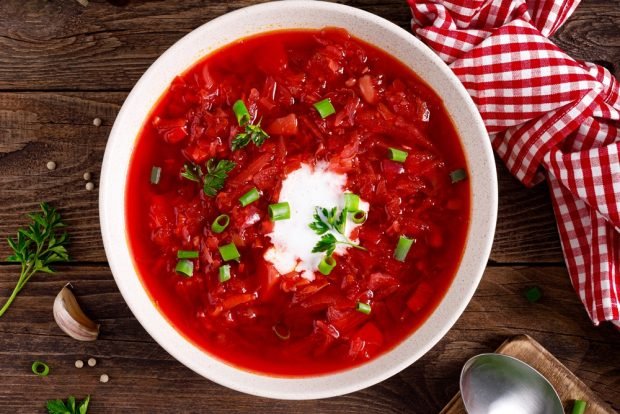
(146, 378)
(568, 387)
(38, 127)
(60, 45)
(593, 33)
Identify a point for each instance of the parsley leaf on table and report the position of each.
(37, 247)
(60, 407)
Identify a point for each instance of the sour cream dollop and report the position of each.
(305, 189)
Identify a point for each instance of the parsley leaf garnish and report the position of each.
(327, 244)
(213, 180)
(216, 175)
(37, 247)
(192, 172)
(318, 225)
(252, 133)
(326, 220)
(60, 407)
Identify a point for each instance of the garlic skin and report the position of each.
(71, 319)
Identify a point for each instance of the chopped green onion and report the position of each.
(187, 254)
(224, 273)
(279, 211)
(241, 112)
(326, 265)
(351, 202)
(185, 267)
(579, 407)
(155, 175)
(282, 336)
(363, 308)
(40, 368)
(533, 294)
(249, 197)
(359, 217)
(458, 175)
(229, 252)
(402, 248)
(325, 108)
(220, 223)
(397, 155)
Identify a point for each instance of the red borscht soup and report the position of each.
(297, 202)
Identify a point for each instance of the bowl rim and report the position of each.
(209, 366)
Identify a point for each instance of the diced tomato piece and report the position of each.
(287, 126)
(345, 320)
(380, 281)
(266, 178)
(367, 89)
(311, 289)
(253, 168)
(236, 300)
(290, 282)
(270, 278)
(366, 342)
(420, 297)
(326, 328)
(370, 334)
(172, 130)
(392, 169)
(266, 104)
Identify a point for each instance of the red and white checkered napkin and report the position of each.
(548, 115)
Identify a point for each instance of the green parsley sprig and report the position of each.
(37, 247)
(213, 180)
(326, 220)
(252, 132)
(69, 407)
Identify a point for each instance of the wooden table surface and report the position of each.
(61, 65)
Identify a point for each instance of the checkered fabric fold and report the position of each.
(549, 116)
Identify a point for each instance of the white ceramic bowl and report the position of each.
(281, 15)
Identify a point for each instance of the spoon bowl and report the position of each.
(500, 384)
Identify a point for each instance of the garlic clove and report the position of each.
(71, 319)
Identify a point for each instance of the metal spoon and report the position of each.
(500, 384)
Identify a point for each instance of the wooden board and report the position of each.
(567, 385)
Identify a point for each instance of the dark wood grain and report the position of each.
(59, 44)
(39, 127)
(593, 33)
(146, 379)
